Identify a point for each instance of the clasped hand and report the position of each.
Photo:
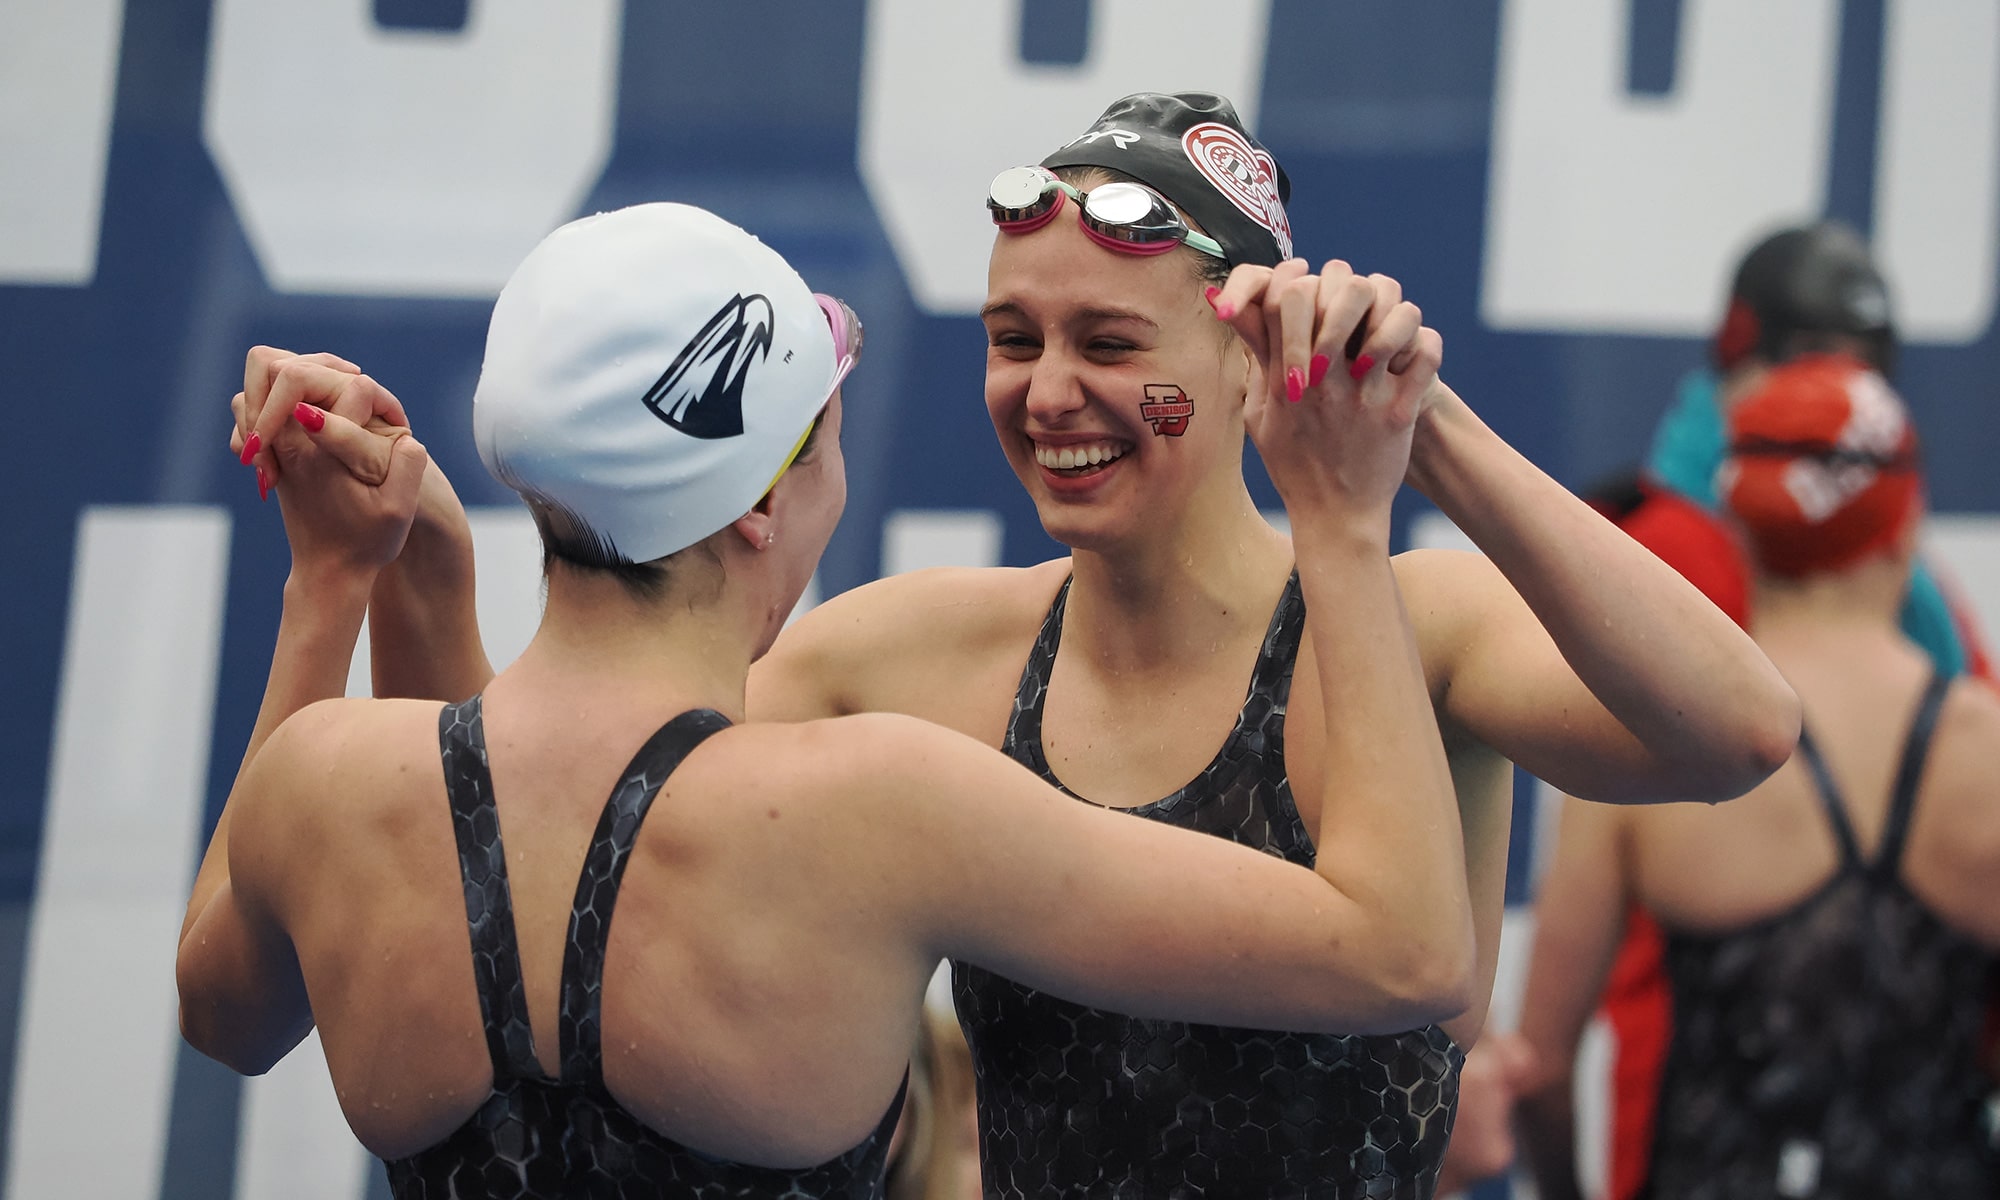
(1347, 366)
(337, 446)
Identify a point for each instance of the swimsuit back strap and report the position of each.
(1910, 774)
(489, 906)
(597, 890)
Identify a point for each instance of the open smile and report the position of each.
(1081, 459)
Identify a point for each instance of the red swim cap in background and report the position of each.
(1822, 466)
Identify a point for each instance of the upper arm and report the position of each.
(1579, 921)
(1501, 678)
(243, 999)
(1119, 912)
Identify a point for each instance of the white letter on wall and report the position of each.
(58, 82)
(947, 103)
(1935, 199)
(1611, 212)
(407, 163)
(128, 777)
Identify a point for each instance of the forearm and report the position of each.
(1669, 666)
(423, 623)
(423, 626)
(1387, 786)
(316, 635)
(1546, 1126)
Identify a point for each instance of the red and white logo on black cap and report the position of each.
(1243, 173)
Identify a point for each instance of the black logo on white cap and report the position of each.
(702, 392)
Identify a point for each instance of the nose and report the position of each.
(1054, 388)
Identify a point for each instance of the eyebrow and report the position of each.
(1008, 308)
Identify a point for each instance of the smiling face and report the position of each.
(1116, 394)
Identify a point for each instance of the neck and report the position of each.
(1152, 601)
(1865, 597)
(599, 645)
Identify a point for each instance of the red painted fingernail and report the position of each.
(1211, 294)
(1295, 384)
(263, 485)
(313, 419)
(1226, 310)
(251, 445)
(1320, 363)
(1361, 365)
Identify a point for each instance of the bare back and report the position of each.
(1714, 869)
(712, 960)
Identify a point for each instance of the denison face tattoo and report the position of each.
(1168, 408)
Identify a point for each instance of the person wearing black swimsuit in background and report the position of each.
(1831, 937)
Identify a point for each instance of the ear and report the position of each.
(1240, 372)
(758, 527)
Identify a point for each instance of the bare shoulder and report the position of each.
(334, 761)
(961, 604)
(853, 766)
(1955, 836)
(1443, 587)
(1961, 766)
(1450, 595)
(905, 643)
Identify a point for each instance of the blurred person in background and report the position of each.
(1801, 289)
(1482, 1147)
(1829, 938)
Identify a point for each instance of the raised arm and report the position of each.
(423, 625)
(347, 504)
(1577, 653)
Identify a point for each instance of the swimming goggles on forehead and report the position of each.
(1127, 217)
(846, 326)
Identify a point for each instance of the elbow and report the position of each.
(1777, 734)
(1428, 980)
(217, 1030)
(208, 1035)
(1765, 739)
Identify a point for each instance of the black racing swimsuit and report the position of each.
(1078, 1102)
(537, 1138)
(1831, 1050)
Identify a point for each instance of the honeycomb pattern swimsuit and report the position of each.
(1074, 1101)
(1831, 1050)
(537, 1138)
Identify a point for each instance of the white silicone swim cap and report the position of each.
(649, 372)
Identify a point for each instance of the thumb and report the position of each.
(408, 461)
(368, 456)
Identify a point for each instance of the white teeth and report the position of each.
(1069, 458)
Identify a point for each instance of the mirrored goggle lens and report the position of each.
(1023, 194)
(1134, 213)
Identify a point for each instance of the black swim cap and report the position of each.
(1813, 279)
(1192, 148)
